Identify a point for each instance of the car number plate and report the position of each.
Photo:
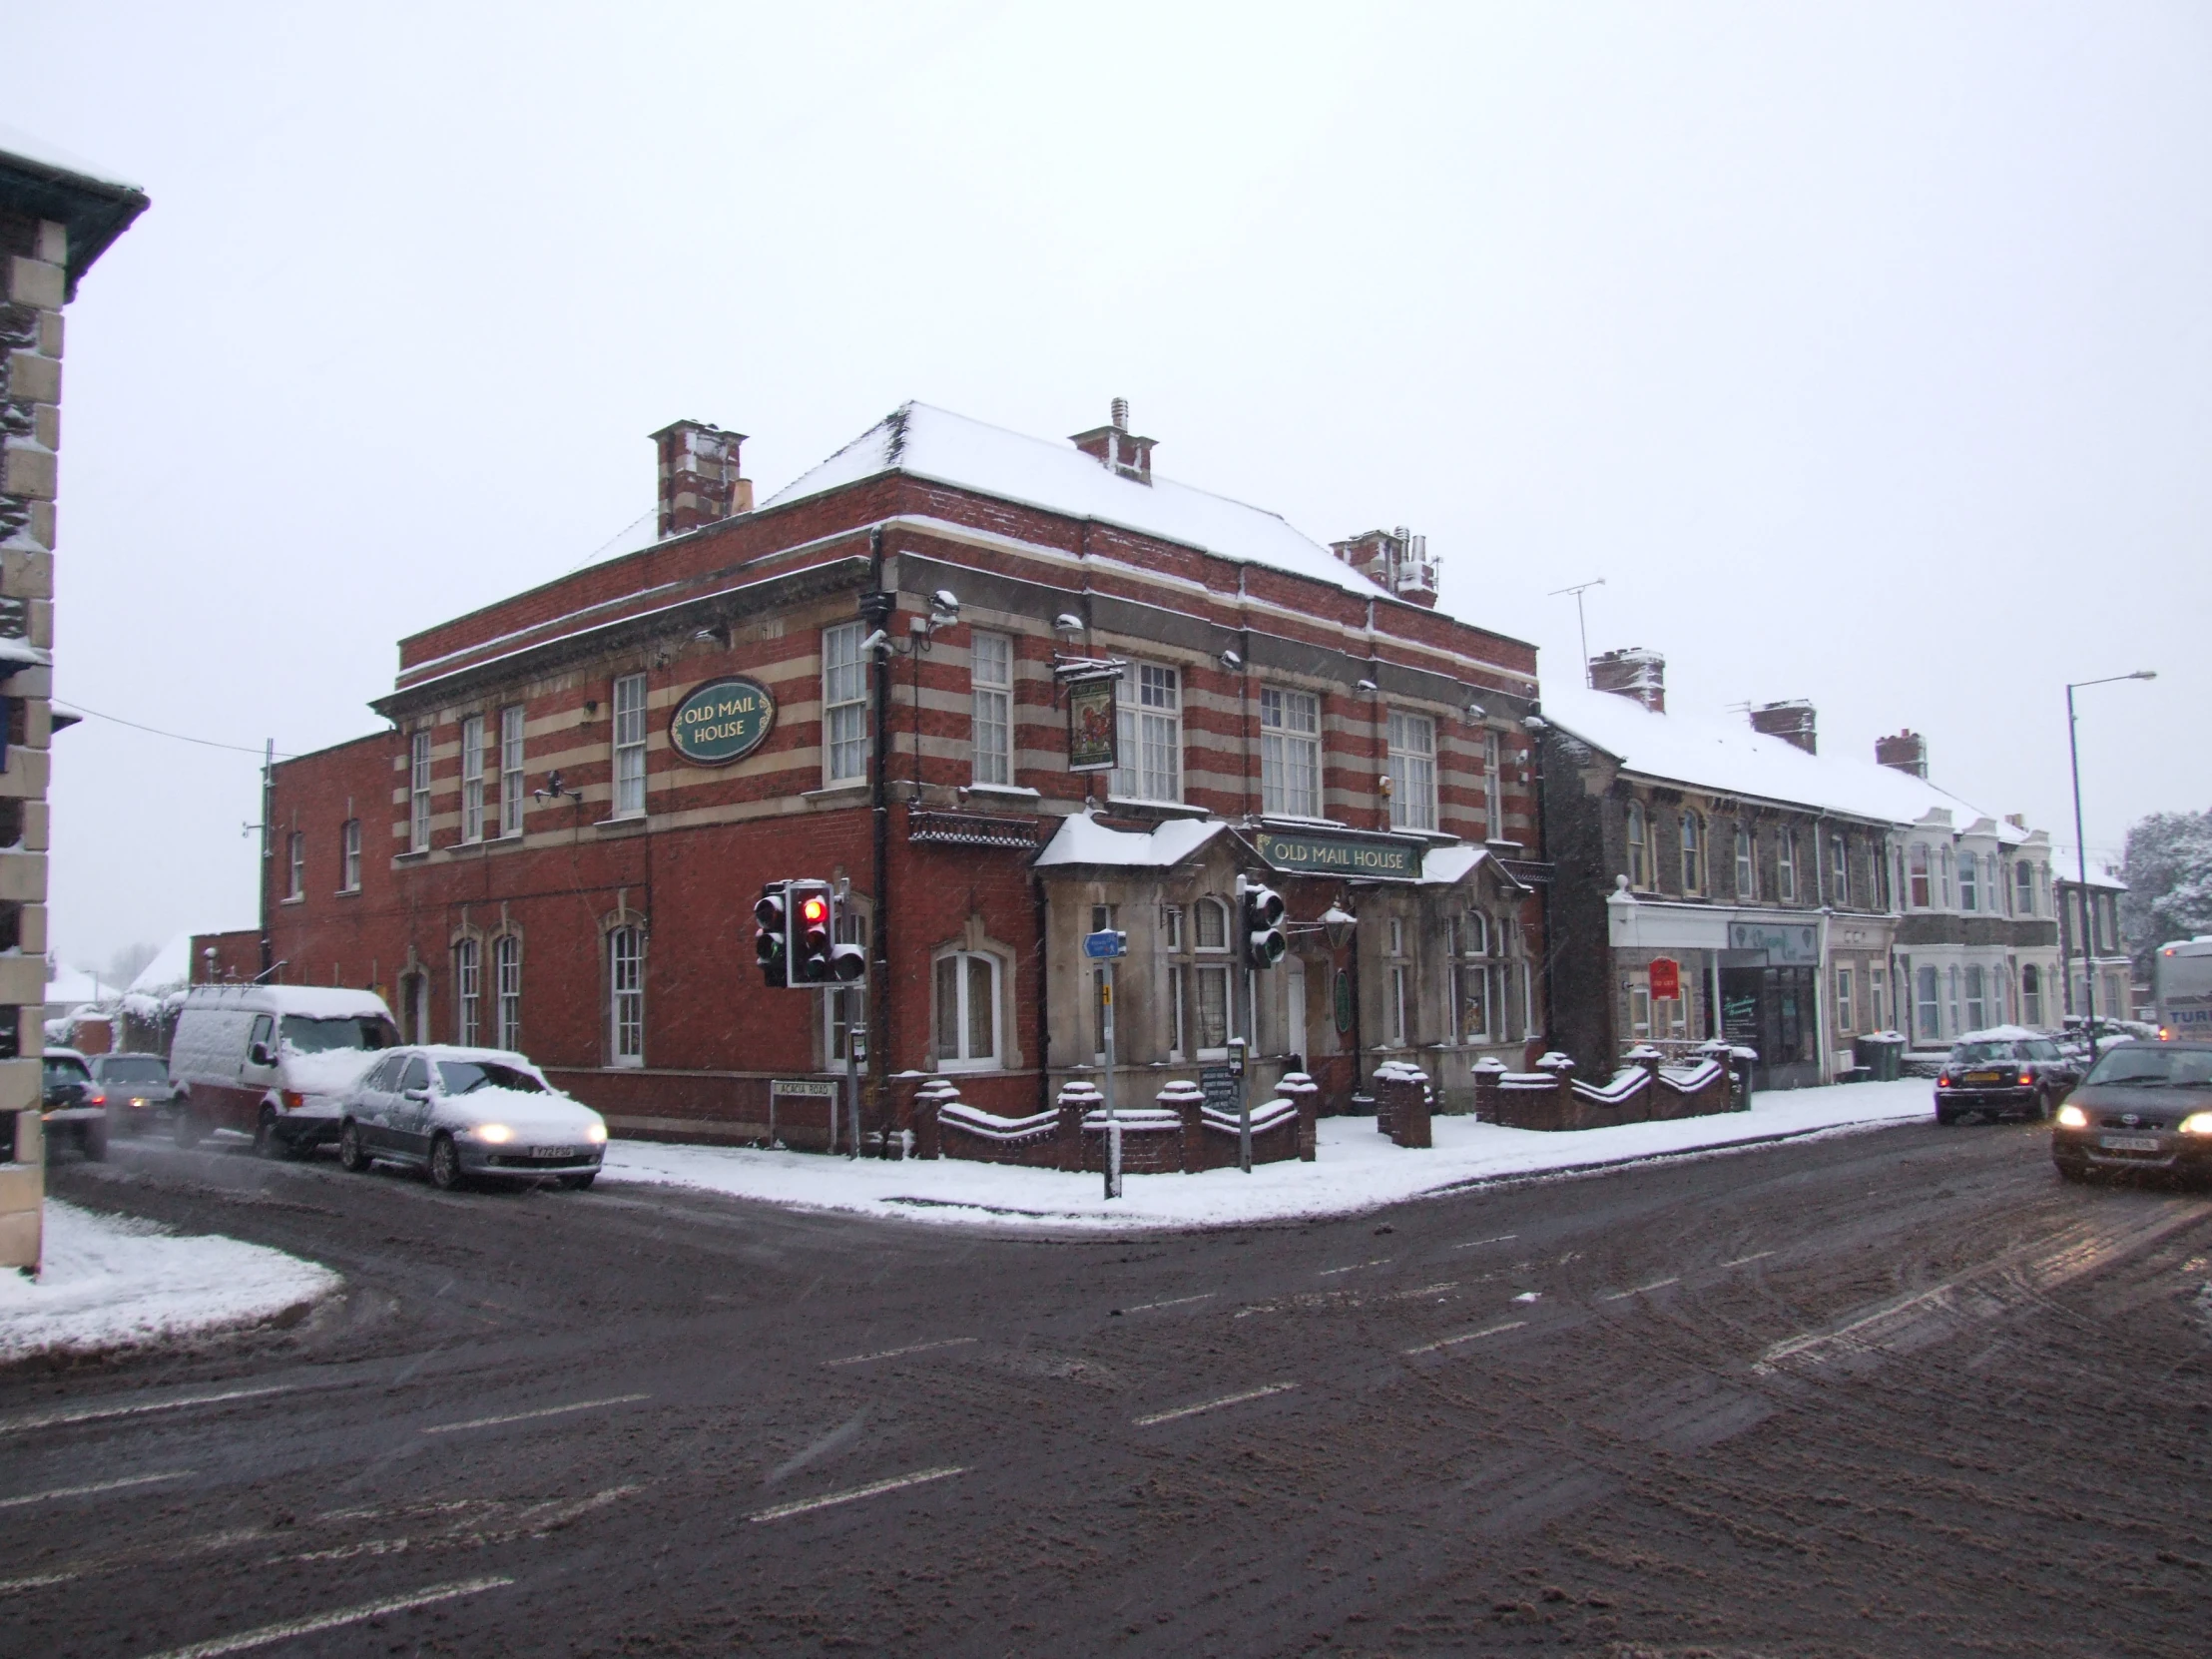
(552, 1153)
(2129, 1143)
(1982, 1079)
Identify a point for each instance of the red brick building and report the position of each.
(527, 857)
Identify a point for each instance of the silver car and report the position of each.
(134, 1088)
(462, 1114)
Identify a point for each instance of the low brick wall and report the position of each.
(1177, 1133)
(1642, 1091)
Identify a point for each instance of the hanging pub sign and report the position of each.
(1666, 979)
(1093, 722)
(722, 721)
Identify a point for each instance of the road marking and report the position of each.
(268, 1633)
(1502, 1238)
(1655, 1284)
(527, 1417)
(783, 1511)
(1172, 1302)
(894, 1352)
(87, 1491)
(1214, 1404)
(101, 1413)
(1378, 1262)
(1741, 1260)
(1468, 1337)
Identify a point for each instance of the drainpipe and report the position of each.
(1044, 1012)
(879, 975)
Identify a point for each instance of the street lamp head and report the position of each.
(2144, 674)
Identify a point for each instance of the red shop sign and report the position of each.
(1666, 979)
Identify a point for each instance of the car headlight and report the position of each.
(597, 1133)
(497, 1133)
(2073, 1117)
(2197, 1123)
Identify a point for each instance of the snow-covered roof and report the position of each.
(1082, 840)
(932, 443)
(169, 969)
(1724, 753)
(1445, 865)
(72, 988)
(40, 151)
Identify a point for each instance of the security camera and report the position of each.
(875, 641)
(1230, 661)
(945, 602)
(1367, 685)
(1068, 623)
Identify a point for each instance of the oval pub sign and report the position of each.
(722, 721)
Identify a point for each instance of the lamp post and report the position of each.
(2081, 851)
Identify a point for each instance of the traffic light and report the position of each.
(809, 910)
(1263, 926)
(771, 947)
(846, 962)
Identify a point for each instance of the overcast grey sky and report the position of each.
(1861, 348)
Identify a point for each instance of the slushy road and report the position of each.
(1888, 1393)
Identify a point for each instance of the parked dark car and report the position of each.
(67, 1107)
(2144, 1108)
(133, 1088)
(2003, 1073)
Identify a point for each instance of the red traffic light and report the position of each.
(814, 910)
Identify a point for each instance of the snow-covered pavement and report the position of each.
(111, 1282)
(1358, 1169)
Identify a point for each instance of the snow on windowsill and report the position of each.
(628, 820)
(1137, 803)
(835, 795)
(1007, 792)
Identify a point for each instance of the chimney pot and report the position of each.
(1121, 414)
(1116, 448)
(1633, 672)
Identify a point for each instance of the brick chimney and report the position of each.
(1908, 752)
(1116, 448)
(1397, 561)
(1790, 720)
(1632, 673)
(699, 477)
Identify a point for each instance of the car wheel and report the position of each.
(94, 1141)
(445, 1164)
(184, 1128)
(267, 1142)
(1946, 1116)
(2074, 1172)
(352, 1156)
(577, 1183)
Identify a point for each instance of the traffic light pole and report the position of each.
(1243, 1072)
(854, 1012)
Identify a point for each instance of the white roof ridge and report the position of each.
(924, 440)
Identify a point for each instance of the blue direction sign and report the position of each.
(1105, 944)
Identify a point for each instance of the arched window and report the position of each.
(1747, 867)
(1970, 883)
(1212, 925)
(2031, 995)
(468, 989)
(1921, 894)
(2024, 888)
(967, 1011)
(506, 974)
(1693, 853)
(1839, 885)
(1639, 875)
(1786, 867)
(626, 997)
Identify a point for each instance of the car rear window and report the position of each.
(2042, 1051)
(2152, 1066)
(65, 1068)
(320, 1036)
(461, 1076)
(136, 1068)
(1980, 1054)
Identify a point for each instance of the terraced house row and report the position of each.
(1006, 692)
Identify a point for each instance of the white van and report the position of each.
(272, 1060)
